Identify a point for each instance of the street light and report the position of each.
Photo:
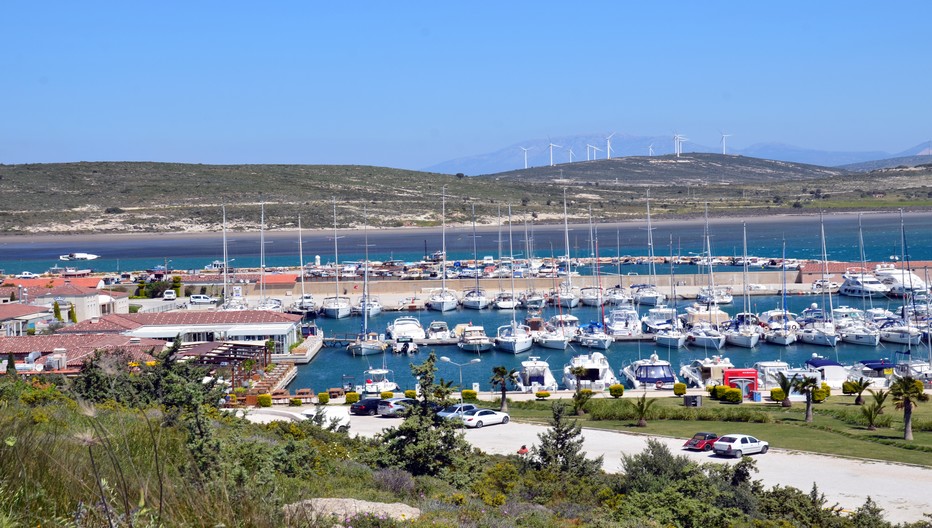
(445, 359)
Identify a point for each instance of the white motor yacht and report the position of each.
(598, 374)
(863, 284)
(378, 380)
(505, 301)
(439, 330)
(535, 375)
(651, 372)
(660, 318)
(900, 282)
(714, 296)
(623, 320)
(706, 372)
(406, 327)
(474, 339)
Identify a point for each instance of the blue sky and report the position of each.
(411, 84)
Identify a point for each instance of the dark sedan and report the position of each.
(368, 406)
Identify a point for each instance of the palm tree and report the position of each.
(871, 413)
(786, 385)
(907, 393)
(641, 407)
(859, 387)
(879, 398)
(806, 385)
(501, 376)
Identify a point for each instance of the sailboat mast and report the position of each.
(301, 257)
(365, 278)
(511, 254)
(907, 316)
(443, 239)
(566, 234)
(226, 262)
(262, 256)
(475, 249)
(650, 244)
(336, 254)
(747, 299)
(831, 307)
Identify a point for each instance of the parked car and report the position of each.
(738, 445)
(824, 284)
(701, 441)
(395, 407)
(27, 275)
(369, 406)
(202, 299)
(169, 295)
(455, 411)
(481, 417)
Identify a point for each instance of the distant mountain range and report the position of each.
(594, 146)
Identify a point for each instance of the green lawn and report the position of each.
(827, 434)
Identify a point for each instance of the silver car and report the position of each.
(738, 445)
(456, 411)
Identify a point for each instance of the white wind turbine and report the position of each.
(551, 152)
(650, 149)
(678, 144)
(608, 146)
(588, 149)
(525, 154)
(724, 135)
(571, 154)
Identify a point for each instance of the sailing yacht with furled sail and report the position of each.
(745, 331)
(443, 300)
(515, 338)
(648, 294)
(366, 342)
(265, 302)
(821, 331)
(475, 299)
(565, 296)
(336, 307)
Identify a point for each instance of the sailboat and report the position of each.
(265, 302)
(855, 329)
(672, 335)
(232, 298)
(443, 300)
(704, 319)
(366, 342)
(745, 331)
(475, 298)
(514, 337)
(306, 302)
(336, 307)
(565, 296)
(821, 331)
(648, 294)
(781, 324)
(592, 295)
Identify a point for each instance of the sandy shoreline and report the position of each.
(291, 232)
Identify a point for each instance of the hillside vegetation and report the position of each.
(157, 197)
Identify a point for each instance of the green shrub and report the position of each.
(543, 395)
(819, 395)
(920, 425)
(827, 389)
(619, 410)
(777, 394)
(718, 392)
(732, 395)
(264, 400)
(848, 387)
(410, 393)
(294, 402)
(323, 398)
(679, 389)
(352, 397)
(617, 390)
(134, 308)
(386, 395)
(469, 395)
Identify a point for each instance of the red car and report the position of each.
(701, 441)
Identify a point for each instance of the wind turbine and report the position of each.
(594, 150)
(650, 149)
(571, 154)
(525, 154)
(724, 135)
(551, 152)
(608, 146)
(678, 144)
(588, 147)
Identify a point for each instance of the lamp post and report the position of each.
(445, 359)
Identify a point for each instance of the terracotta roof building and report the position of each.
(60, 352)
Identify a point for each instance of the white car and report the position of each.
(824, 284)
(481, 417)
(738, 445)
(169, 295)
(202, 299)
(27, 275)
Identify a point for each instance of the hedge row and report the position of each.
(604, 409)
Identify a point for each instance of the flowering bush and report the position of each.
(352, 397)
(617, 390)
(541, 395)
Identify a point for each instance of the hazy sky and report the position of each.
(410, 84)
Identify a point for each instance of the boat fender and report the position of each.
(659, 384)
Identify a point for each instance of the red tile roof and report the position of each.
(14, 310)
(51, 282)
(79, 347)
(122, 322)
